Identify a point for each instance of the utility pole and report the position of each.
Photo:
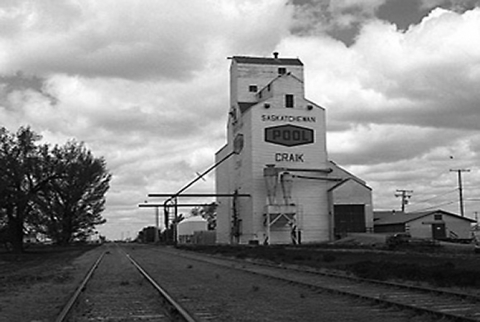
(405, 194)
(460, 188)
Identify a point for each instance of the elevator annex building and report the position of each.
(280, 186)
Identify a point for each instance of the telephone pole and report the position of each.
(405, 194)
(460, 188)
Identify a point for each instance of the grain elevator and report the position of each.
(283, 187)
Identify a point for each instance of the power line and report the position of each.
(437, 206)
(437, 196)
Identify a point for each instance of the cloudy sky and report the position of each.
(145, 85)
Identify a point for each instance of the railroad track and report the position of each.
(117, 292)
(440, 303)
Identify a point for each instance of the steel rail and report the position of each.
(376, 297)
(71, 302)
(178, 311)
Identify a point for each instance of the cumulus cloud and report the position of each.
(145, 85)
(132, 40)
(396, 98)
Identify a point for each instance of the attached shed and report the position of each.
(350, 203)
(437, 224)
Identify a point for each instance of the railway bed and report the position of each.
(444, 304)
(116, 288)
(213, 288)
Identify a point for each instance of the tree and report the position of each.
(208, 212)
(73, 204)
(25, 169)
(59, 191)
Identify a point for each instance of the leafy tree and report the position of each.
(59, 191)
(73, 204)
(25, 169)
(208, 212)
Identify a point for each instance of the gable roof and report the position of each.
(346, 174)
(245, 106)
(267, 61)
(398, 217)
(354, 179)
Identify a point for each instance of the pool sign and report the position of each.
(288, 135)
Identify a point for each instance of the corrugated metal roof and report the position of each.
(267, 61)
(398, 217)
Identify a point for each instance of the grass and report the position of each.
(415, 264)
(39, 263)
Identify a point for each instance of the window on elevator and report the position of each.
(282, 70)
(252, 88)
(289, 101)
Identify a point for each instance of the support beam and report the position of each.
(161, 205)
(198, 195)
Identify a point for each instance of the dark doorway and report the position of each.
(349, 219)
(439, 231)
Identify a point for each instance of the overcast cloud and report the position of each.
(145, 85)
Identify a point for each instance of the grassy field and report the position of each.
(432, 264)
(35, 285)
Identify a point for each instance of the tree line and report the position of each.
(58, 191)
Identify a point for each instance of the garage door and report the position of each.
(349, 219)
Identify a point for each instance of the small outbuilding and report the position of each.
(437, 224)
(189, 226)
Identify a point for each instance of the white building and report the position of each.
(288, 190)
(187, 228)
(436, 224)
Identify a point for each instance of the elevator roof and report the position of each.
(267, 61)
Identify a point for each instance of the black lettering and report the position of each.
(276, 134)
(305, 136)
(297, 135)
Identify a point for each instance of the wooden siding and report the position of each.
(422, 227)
(244, 172)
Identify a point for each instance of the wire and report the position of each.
(446, 193)
(436, 206)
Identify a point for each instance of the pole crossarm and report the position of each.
(405, 194)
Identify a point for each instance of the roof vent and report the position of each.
(275, 55)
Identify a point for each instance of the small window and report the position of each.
(289, 100)
(437, 217)
(268, 87)
(252, 88)
(282, 70)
